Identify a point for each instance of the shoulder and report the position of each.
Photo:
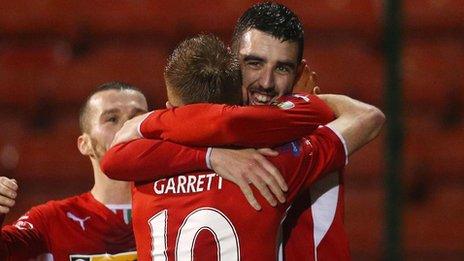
(306, 102)
(296, 97)
(54, 207)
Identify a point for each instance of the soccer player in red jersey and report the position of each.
(196, 214)
(92, 226)
(268, 38)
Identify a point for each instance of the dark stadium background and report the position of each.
(54, 52)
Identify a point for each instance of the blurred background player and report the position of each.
(161, 206)
(96, 224)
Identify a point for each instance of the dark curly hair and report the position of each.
(274, 19)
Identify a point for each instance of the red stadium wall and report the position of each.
(53, 53)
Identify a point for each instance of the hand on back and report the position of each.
(249, 166)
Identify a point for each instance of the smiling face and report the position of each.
(107, 112)
(269, 67)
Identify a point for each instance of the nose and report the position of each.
(266, 78)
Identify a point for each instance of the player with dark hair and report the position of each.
(196, 215)
(273, 19)
(268, 39)
(92, 226)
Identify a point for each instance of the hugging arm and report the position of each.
(251, 126)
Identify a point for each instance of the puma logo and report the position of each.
(77, 219)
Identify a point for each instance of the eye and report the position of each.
(112, 119)
(283, 69)
(254, 64)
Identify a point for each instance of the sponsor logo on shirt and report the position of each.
(295, 148)
(127, 256)
(23, 224)
(77, 219)
(286, 105)
(292, 147)
(185, 184)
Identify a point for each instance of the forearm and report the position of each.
(253, 126)
(19, 245)
(357, 122)
(144, 159)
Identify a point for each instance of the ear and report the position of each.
(169, 105)
(84, 145)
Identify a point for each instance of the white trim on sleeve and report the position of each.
(119, 206)
(140, 124)
(345, 147)
(208, 158)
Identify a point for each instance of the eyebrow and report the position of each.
(287, 63)
(253, 57)
(139, 110)
(110, 111)
(116, 110)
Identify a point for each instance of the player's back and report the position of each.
(200, 216)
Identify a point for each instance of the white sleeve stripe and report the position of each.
(208, 157)
(345, 147)
(140, 124)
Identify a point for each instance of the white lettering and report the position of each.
(191, 184)
(171, 186)
(220, 183)
(187, 184)
(210, 179)
(200, 183)
(159, 189)
(181, 184)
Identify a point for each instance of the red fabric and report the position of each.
(170, 201)
(144, 159)
(299, 231)
(48, 228)
(154, 162)
(335, 244)
(250, 126)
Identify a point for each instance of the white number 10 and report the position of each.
(211, 219)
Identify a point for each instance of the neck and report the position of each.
(108, 191)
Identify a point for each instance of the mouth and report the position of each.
(256, 98)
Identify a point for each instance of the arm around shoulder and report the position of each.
(358, 123)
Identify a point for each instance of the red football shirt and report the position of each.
(200, 215)
(293, 117)
(314, 228)
(214, 125)
(76, 228)
(325, 236)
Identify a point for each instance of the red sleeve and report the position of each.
(303, 161)
(252, 126)
(328, 152)
(144, 159)
(25, 239)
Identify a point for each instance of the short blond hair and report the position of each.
(203, 69)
